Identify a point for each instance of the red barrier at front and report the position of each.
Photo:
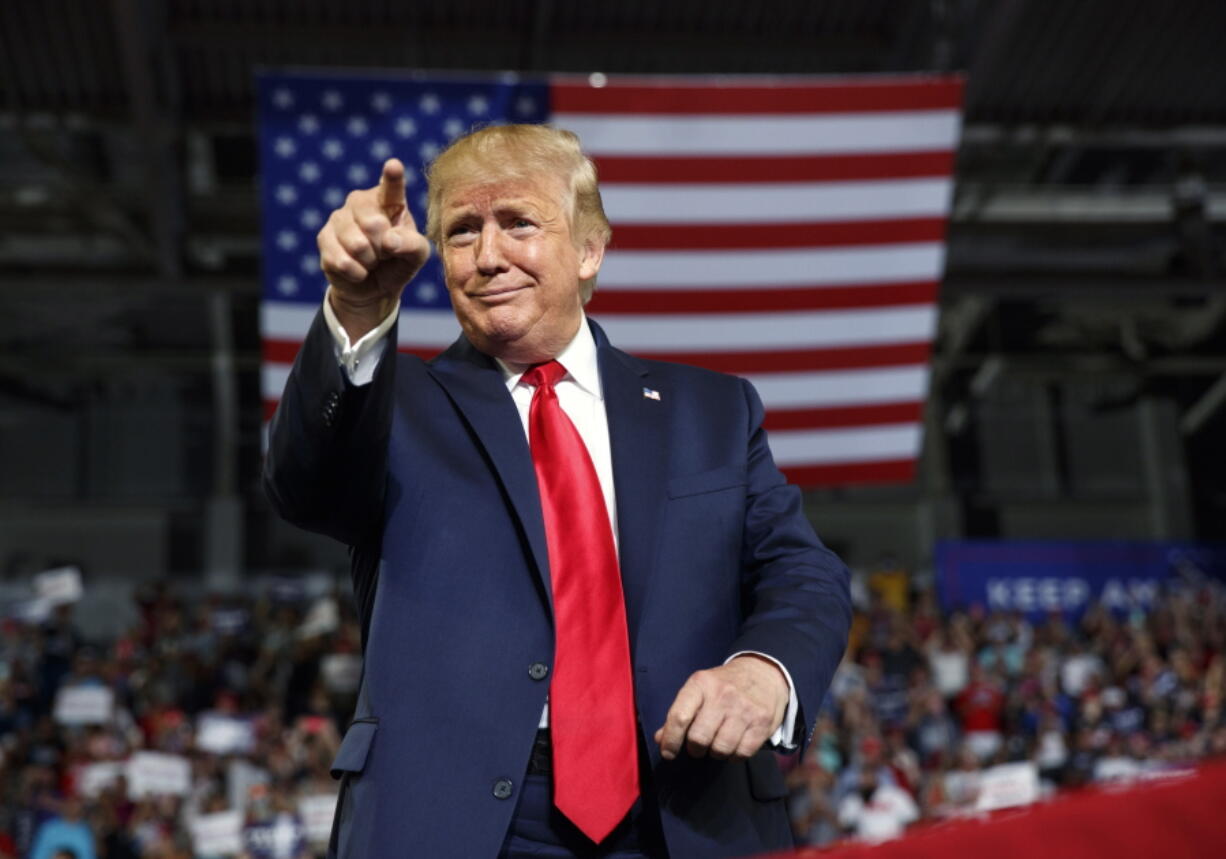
(1176, 815)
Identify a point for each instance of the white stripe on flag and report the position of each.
(736, 332)
(852, 444)
(287, 320)
(272, 379)
(437, 329)
(775, 202)
(901, 131)
(790, 267)
(841, 387)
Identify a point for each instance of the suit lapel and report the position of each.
(637, 433)
(475, 384)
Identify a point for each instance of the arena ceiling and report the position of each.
(1090, 63)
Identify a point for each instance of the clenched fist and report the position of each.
(727, 712)
(369, 249)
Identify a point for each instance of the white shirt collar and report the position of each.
(579, 359)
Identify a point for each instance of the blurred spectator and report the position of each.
(876, 811)
(980, 706)
(65, 833)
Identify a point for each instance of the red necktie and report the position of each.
(591, 694)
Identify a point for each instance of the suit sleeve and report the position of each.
(796, 591)
(325, 469)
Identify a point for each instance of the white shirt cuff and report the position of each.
(783, 737)
(359, 359)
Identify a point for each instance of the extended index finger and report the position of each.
(391, 188)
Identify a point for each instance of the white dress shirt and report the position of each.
(582, 399)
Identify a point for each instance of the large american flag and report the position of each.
(790, 231)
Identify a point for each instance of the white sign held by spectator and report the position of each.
(158, 773)
(317, 812)
(1008, 786)
(219, 834)
(59, 586)
(341, 672)
(92, 779)
(84, 705)
(224, 735)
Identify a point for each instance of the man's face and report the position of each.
(513, 268)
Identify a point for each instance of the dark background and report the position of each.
(1080, 368)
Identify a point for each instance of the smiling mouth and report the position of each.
(498, 292)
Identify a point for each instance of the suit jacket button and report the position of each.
(503, 788)
(538, 670)
(332, 405)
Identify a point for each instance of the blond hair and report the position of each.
(516, 152)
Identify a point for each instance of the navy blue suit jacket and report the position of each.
(427, 474)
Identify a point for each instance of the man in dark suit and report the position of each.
(591, 604)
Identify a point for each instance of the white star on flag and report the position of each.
(429, 103)
(405, 127)
(478, 104)
(332, 100)
(283, 98)
(381, 101)
(285, 147)
(308, 123)
(286, 194)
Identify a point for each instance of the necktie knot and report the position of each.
(547, 374)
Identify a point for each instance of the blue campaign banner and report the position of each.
(1038, 577)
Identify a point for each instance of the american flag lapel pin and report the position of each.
(651, 394)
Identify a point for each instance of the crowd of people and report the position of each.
(927, 704)
(242, 701)
(924, 704)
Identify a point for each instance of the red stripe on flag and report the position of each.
(280, 351)
(798, 168)
(760, 300)
(423, 352)
(284, 351)
(688, 99)
(843, 416)
(845, 473)
(684, 237)
(780, 361)
(800, 360)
